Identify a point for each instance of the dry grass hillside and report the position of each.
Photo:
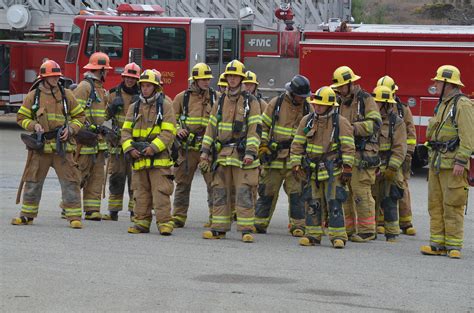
(457, 12)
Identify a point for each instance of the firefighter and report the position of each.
(451, 142)
(92, 96)
(280, 121)
(222, 83)
(388, 188)
(323, 153)
(53, 114)
(192, 108)
(232, 138)
(120, 170)
(147, 136)
(251, 85)
(404, 205)
(359, 108)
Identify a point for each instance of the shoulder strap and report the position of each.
(335, 125)
(65, 102)
(136, 111)
(400, 109)
(360, 102)
(186, 102)
(220, 106)
(455, 108)
(391, 126)
(309, 123)
(159, 109)
(92, 94)
(212, 96)
(36, 102)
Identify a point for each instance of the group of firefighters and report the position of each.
(342, 154)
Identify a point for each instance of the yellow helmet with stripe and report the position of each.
(388, 82)
(449, 74)
(324, 96)
(201, 71)
(222, 81)
(343, 75)
(149, 76)
(250, 77)
(235, 67)
(383, 94)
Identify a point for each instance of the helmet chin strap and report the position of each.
(102, 75)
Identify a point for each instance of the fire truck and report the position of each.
(19, 64)
(173, 45)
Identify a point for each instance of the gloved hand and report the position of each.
(298, 172)
(204, 166)
(248, 159)
(346, 175)
(390, 174)
(262, 150)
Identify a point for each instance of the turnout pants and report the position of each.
(152, 189)
(404, 204)
(183, 181)
(244, 181)
(387, 194)
(120, 173)
(69, 178)
(447, 195)
(268, 190)
(359, 209)
(329, 200)
(91, 167)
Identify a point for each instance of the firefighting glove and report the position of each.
(263, 150)
(204, 166)
(390, 174)
(346, 175)
(298, 173)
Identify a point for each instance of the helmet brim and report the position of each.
(459, 83)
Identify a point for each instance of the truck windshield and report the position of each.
(107, 39)
(73, 48)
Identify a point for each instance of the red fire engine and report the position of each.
(410, 54)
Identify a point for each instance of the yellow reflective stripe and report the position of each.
(348, 159)
(73, 211)
(82, 102)
(230, 161)
(405, 219)
(213, 120)
(207, 140)
(77, 110)
(169, 127)
(254, 119)
(283, 130)
(77, 122)
(143, 223)
(219, 219)
(299, 139)
(146, 163)
(89, 150)
(225, 126)
(25, 123)
(267, 120)
(411, 141)
(127, 125)
(55, 117)
(253, 141)
(102, 145)
(245, 221)
(127, 144)
(25, 111)
(385, 147)
(137, 132)
(91, 203)
(264, 135)
(160, 145)
(368, 126)
(346, 140)
(314, 230)
(29, 208)
(395, 162)
(464, 151)
(374, 115)
(311, 148)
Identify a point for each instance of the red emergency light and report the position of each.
(139, 9)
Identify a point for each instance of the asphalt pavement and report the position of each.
(49, 267)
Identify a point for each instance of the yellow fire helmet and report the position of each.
(222, 81)
(324, 96)
(383, 94)
(343, 75)
(250, 78)
(235, 67)
(201, 71)
(388, 82)
(148, 76)
(449, 74)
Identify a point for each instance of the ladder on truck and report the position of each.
(31, 15)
